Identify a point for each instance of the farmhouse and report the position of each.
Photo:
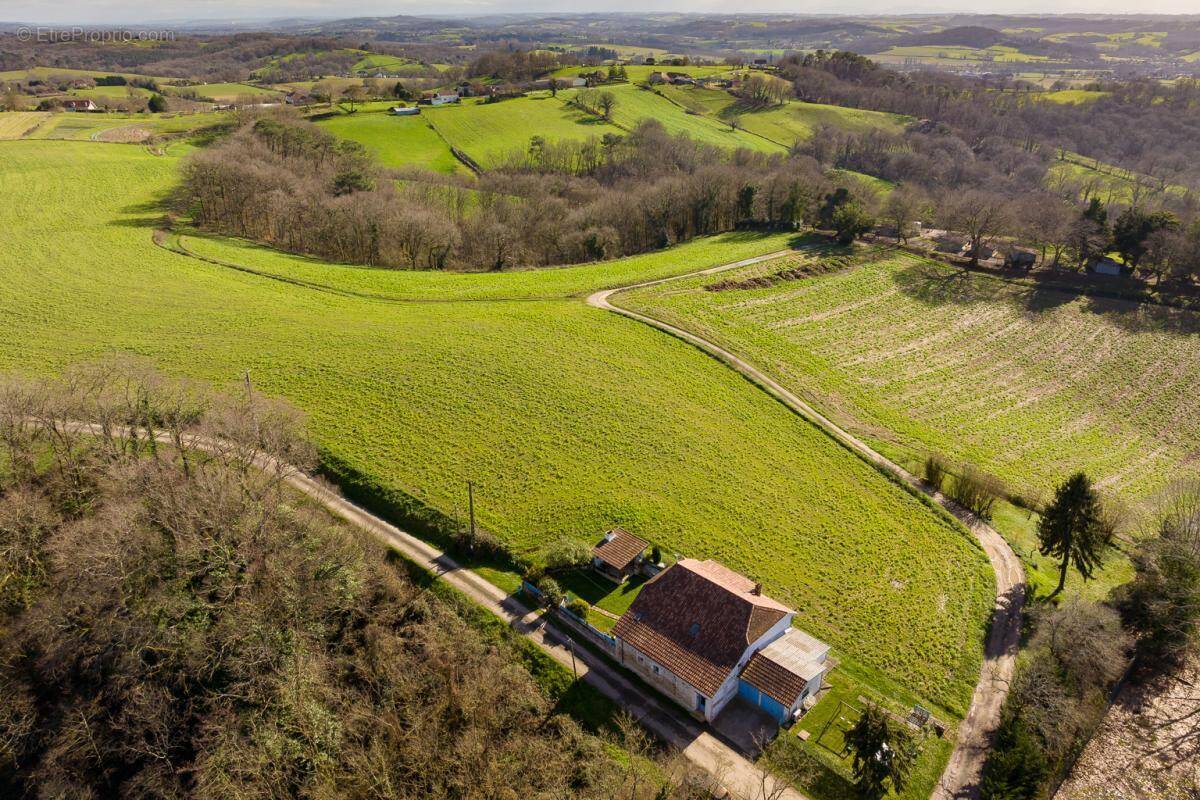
(703, 634)
(618, 555)
(443, 98)
(78, 105)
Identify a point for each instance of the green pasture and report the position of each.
(1027, 383)
(116, 126)
(396, 141)
(568, 419)
(488, 132)
(226, 92)
(635, 104)
(784, 124)
(1072, 96)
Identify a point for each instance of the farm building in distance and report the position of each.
(703, 634)
(79, 105)
(618, 555)
(406, 111)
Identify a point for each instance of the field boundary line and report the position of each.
(161, 237)
(671, 725)
(960, 779)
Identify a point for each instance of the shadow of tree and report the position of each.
(938, 285)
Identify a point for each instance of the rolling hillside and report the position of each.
(396, 141)
(635, 427)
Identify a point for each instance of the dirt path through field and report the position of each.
(961, 776)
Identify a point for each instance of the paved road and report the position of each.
(961, 776)
(666, 721)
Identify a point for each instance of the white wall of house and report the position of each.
(729, 688)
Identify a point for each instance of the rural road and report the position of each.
(961, 776)
(738, 775)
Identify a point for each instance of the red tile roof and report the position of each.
(697, 618)
(619, 548)
(772, 679)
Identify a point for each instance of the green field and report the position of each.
(396, 141)
(103, 127)
(933, 54)
(226, 92)
(1027, 383)
(392, 65)
(786, 124)
(111, 93)
(635, 104)
(488, 132)
(1072, 96)
(569, 419)
(16, 124)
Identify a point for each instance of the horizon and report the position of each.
(119, 12)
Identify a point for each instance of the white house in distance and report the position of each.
(703, 634)
(443, 98)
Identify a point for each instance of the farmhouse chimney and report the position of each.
(757, 590)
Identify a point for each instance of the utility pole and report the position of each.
(471, 506)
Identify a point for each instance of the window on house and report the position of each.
(701, 701)
(654, 669)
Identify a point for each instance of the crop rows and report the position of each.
(1026, 383)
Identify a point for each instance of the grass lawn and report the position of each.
(633, 428)
(600, 592)
(396, 141)
(824, 768)
(1027, 383)
(488, 132)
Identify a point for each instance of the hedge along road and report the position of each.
(961, 777)
(729, 768)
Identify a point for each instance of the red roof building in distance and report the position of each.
(694, 632)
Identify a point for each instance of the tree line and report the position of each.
(285, 182)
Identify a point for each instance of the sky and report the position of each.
(128, 11)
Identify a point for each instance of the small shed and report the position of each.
(618, 554)
(406, 111)
(1107, 266)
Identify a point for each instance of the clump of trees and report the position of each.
(177, 622)
(280, 180)
(1076, 653)
(1162, 602)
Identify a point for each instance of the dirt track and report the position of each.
(961, 776)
